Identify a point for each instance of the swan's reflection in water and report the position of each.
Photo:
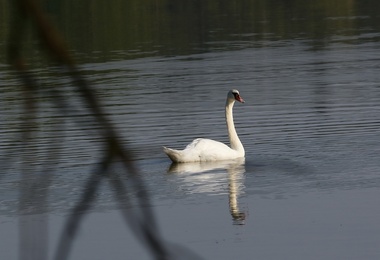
(215, 178)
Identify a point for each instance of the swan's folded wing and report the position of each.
(202, 150)
(194, 144)
(207, 145)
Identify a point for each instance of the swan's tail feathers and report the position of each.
(174, 155)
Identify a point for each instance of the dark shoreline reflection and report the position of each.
(171, 28)
(202, 177)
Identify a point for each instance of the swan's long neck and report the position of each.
(234, 139)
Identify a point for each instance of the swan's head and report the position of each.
(233, 95)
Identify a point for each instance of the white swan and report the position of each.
(209, 150)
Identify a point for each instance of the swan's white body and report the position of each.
(209, 150)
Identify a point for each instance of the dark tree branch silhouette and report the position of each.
(140, 219)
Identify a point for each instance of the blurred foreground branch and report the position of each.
(140, 219)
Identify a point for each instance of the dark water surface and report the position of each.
(309, 187)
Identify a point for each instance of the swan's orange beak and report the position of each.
(239, 98)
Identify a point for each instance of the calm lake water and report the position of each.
(309, 186)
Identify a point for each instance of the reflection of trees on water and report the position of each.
(206, 177)
(162, 26)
